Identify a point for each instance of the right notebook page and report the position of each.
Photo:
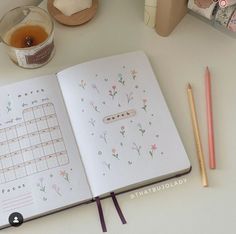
(121, 122)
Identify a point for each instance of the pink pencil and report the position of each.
(212, 161)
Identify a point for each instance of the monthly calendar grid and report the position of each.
(21, 153)
(2, 175)
(7, 139)
(44, 111)
(32, 146)
(25, 160)
(32, 109)
(34, 170)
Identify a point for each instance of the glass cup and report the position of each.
(28, 33)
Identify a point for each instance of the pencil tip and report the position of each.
(207, 70)
(189, 86)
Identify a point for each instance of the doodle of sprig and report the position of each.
(153, 150)
(9, 107)
(134, 74)
(121, 79)
(129, 97)
(144, 107)
(41, 185)
(115, 154)
(122, 131)
(108, 165)
(94, 107)
(113, 92)
(65, 175)
(92, 122)
(104, 136)
(137, 148)
(95, 88)
(56, 189)
(141, 129)
(82, 84)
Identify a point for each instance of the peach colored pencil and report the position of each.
(197, 136)
(212, 161)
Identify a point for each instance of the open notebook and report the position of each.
(95, 128)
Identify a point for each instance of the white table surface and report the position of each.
(178, 59)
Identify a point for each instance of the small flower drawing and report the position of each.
(153, 150)
(92, 122)
(104, 136)
(113, 92)
(41, 185)
(108, 165)
(134, 74)
(95, 88)
(144, 107)
(56, 189)
(121, 79)
(82, 84)
(65, 175)
(94, 107)
(137, 148)
(114, 153)
(129, 97)
(9, 107)
(141, 129)
(122, 131)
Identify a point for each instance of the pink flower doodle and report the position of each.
(115, 154)
(113, 92)
(144, 107)
(153, 149)
(65, 175)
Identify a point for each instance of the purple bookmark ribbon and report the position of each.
(101, 216)
(118, 209)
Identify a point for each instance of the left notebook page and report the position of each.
(40, 166)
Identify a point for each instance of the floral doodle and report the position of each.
(134, 74)
(56, 189)
(41, 185)
(65, 175)
(94, 107)
(141, 129)
(113, 92)
(9, 108)
(122, 131)
(95, 88)
(129, 97)
(82, 84)
(121, 79)
(137, 148)
(153, 149)
(108, 165)
(92, 122)
(104, 136)
(144, 107)
(114, 153)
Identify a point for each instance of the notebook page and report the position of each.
(121, 122)
(40, 166)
